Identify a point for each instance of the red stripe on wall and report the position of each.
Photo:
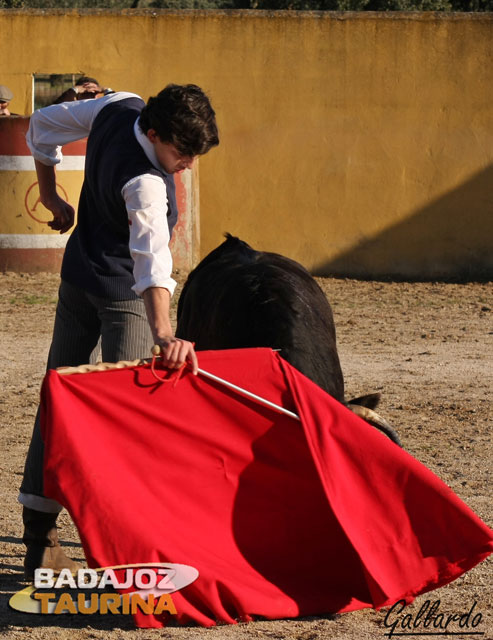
(13, 139)
(31, 260)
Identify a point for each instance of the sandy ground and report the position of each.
(426, 346)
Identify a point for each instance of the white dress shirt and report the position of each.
(145, 196)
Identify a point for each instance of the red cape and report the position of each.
(281, 518)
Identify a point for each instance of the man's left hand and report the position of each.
(175, 352)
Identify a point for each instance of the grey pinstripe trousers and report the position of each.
(81, 320)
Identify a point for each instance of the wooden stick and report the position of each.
(249, 394)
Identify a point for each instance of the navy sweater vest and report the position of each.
(97, 258)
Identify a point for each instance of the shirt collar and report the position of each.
(147, 147)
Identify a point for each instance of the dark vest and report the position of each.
(97, 258)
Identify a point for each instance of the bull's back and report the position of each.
(238, 297)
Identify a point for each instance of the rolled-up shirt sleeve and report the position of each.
(146, 202)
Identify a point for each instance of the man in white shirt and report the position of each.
(116, 273)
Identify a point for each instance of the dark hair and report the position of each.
(83, 79)
(183, 116)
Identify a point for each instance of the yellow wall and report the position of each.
(358, 144)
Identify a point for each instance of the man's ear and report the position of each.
(152, 135)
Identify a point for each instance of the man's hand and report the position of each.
(175, 352)
(63, 214)
(87, 90)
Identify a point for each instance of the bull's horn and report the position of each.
(376, 421)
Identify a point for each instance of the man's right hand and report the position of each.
(63, 214)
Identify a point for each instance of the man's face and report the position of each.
(4, 108)
(168, 155)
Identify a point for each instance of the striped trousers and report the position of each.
(81, 321)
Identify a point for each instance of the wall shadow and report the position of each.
(449, 239)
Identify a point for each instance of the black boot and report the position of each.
(41, 539)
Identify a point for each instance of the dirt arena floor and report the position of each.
(427, 347)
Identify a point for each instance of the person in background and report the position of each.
(6, 96)
(85, 88)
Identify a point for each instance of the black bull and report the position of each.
(238, 297)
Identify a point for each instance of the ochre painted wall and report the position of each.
(356, 143)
